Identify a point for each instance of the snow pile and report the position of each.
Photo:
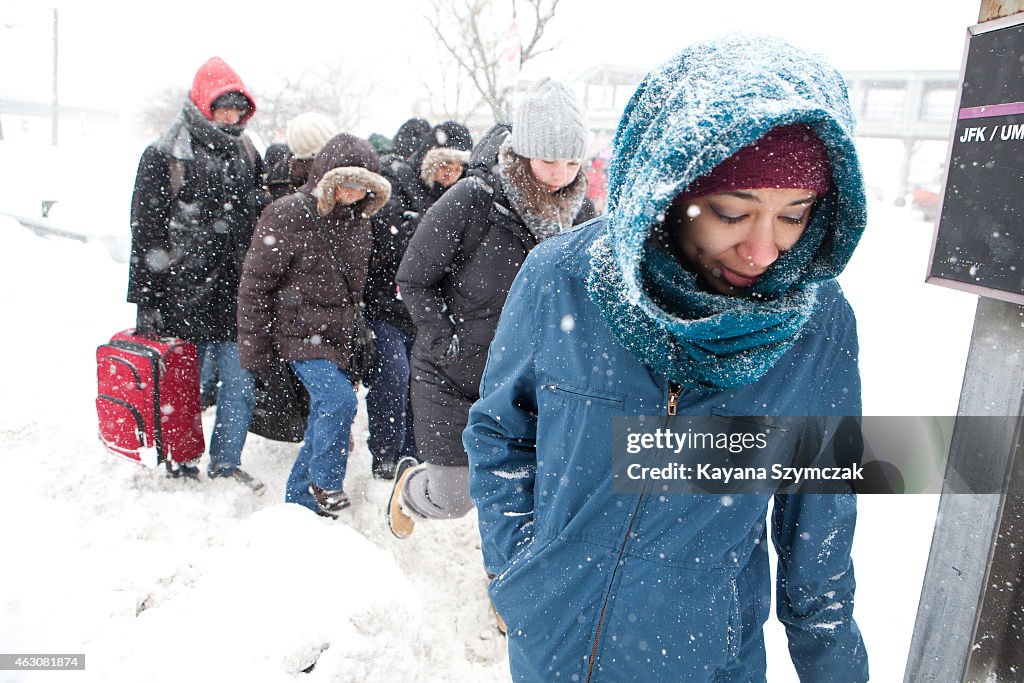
(335, 600)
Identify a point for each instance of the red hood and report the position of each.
(213, 79)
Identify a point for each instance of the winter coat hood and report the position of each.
(410, 138)
(686, 117)
(347, 160)
(701, 107)
(276, 152)
(438, 157)
(484, 157)
(213, 79)
(449, 135)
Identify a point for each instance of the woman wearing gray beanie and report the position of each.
(523, 185)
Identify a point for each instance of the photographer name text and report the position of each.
(709, 472)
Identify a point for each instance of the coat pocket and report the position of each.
(585, 396)
(549, 597)
(670, 624)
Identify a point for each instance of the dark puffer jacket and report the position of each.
(451, 292)
(292, 300)
(414, 191)
(198, 194)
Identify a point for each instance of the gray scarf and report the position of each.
(545, 213)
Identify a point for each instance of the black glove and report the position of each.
(453, 350)
(262, 375)
(148, 321)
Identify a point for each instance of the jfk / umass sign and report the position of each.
(979, 238)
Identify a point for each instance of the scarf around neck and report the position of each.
(545, 214)
(703, 341)
(191, 128)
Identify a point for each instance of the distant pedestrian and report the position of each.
(306, 134)
(198, 194)
(597, 184)
(398, 167)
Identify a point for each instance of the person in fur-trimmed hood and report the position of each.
(441, 161)
(523, 186)
(294, 302)
(198, 194)
(708, 291)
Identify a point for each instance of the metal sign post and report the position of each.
(969, 621)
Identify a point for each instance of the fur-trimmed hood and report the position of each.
(377, 187)
(346, 153)
(436, 158)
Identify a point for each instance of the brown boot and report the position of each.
(501, 622)
(497, 617)
(329, 501)
(399, 521)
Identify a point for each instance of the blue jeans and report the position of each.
(324, 453)
(234, 404)
(387, 402)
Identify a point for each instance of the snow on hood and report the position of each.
(700, 107)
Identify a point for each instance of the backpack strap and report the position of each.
(338, 262)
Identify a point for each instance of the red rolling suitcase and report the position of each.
(148, 399)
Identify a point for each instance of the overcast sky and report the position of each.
(114, 55)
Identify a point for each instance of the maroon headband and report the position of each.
(790, 156)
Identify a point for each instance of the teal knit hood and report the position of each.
(686, 117)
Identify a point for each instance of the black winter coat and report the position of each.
(449, 291)
(392, 230)
(198, 194)
(393, 227)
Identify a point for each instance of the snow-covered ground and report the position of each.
(168, 580)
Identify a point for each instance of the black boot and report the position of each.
(383, 468)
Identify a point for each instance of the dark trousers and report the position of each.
(387, 402)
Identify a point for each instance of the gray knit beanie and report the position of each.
(550, 123)
(309, 132)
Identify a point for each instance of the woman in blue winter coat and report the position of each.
(736, 198)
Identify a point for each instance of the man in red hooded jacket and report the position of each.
(198, 195)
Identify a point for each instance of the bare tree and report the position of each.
(448, 95)
(328, 88)
(160, 110)
(465, 31)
